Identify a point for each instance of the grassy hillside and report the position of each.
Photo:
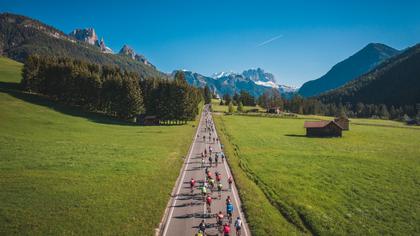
(67, 172)
(365, 183)
(21, 36)
(356, 65)
(394, 82)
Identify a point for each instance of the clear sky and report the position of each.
(295, 40)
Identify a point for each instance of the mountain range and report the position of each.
(254, 81)
(21, 36)
(395, 82)
(375, 74)
(356, 65)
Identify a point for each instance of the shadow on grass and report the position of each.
(296, 135)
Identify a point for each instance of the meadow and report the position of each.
(216, 107)
(365, 183)
(63, 171)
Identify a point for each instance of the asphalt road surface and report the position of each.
(187, 210)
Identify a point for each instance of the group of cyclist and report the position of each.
(211, 183)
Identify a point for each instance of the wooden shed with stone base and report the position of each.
(323, 129)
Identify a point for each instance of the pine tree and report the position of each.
(230, 107)
(207, 95)
(240, 107)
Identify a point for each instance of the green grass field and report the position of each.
(65, 172)
(365, 183)
(215, 103)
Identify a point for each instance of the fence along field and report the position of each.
(365, 183)
(63, 171)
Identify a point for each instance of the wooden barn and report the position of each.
(151, 120)
(343, 122)
(323, 129)
(275, 110)
(148, 120)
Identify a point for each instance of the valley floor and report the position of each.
(67, 172)
(365, 183)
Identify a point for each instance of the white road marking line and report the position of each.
(168, 222)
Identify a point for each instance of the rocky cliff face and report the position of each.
(87, 35)
(259, 75)
(129, 52)
(104, 48)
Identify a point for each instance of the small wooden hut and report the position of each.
(343, 122)
(151, 120)
(323, 129)
(275, 110)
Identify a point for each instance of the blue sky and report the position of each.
(295, 40)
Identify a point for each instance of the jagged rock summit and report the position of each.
(87, 35)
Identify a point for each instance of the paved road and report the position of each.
(187, 210)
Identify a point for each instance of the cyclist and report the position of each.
(192, 183)
(211, 182)
(219, 189)
(226, 229)
(238, 226)
(229, 211)
(219, 178)
(203, 162)
(208, 202)
(228, 200)
(219, 218)
(230, 181)
(216, 158)
(223, 157)
(214, 139)
(202, 226)
(204, 138)
(203, 191)
(211, 160)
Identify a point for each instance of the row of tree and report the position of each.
(297, 104)
(244, 98)
(171, 99)
(110, 90)
(300, 105)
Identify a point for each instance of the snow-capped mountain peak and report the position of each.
(259, 75)
(267, 84)
(221, 74)
(254, 81)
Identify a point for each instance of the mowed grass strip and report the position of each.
(67, 172)
(365, 183)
